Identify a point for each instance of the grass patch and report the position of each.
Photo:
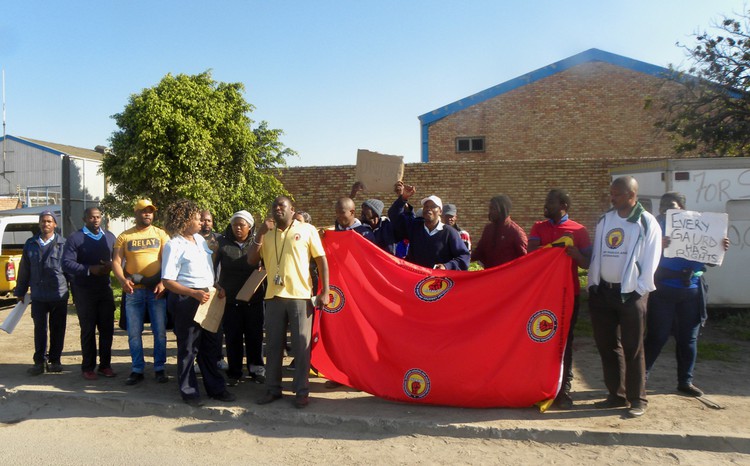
(583, 326)
(117, 291)
(710, 351)
(736, 325)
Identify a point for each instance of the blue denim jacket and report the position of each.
(43, 274)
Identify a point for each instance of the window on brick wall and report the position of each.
(472, 144)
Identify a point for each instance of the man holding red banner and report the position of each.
(431, 243)
(626, 253)
(558, 224)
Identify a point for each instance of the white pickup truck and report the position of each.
(15, 230)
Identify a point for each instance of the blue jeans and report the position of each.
(136, 305)
(674, 311)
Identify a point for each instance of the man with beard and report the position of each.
(431, 243)
(141, 249)
(286, 247)
(502, 239)
(372, 215)
(557, 225)
(87, 259)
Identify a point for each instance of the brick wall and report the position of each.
(469, 186)
(594, 110)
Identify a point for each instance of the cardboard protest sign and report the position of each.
(696, 236)
(209, 314)
(378, 172)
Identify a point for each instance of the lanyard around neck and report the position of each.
(280, 254)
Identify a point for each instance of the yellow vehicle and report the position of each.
(15, 230)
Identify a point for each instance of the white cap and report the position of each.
(434, 199)
(244, 215)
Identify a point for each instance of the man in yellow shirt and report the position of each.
(286, 247)
(141, 248)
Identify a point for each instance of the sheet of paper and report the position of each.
(10, 322)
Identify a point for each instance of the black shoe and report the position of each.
(332, 384)
(54, 367)
(257, 378)
(232, 382)
(134, 378)
(268, 398)
(564, 401)
(690, 390)
(291, 365)
(194, 402)
(224, 396)
(636, 411)
(36, 369)
(161, 377)
(610, 403)
(301, 401)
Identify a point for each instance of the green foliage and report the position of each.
(710, 113)
(191, 137)
(709, 351)
(737, 325)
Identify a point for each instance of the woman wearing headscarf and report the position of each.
(502, 239)
(187, 272)
(243, 320)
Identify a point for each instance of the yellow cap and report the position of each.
(144, 204)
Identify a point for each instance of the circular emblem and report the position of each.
(614, 238)
(336, 300)
(433, 288)
(297, 237)
(416, 384)
(542, 326)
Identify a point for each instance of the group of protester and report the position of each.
(173, 271)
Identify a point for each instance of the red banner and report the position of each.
(492, 338)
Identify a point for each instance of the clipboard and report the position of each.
(251, 285)
(209, 314)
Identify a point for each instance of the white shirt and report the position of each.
(615, 246)
(187, 263)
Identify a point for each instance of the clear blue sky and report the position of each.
(334, 75)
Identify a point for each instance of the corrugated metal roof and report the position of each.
(65, 149)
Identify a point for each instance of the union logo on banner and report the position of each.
(542, 326)
(416, 384)
(615, 237)
(336, 300)
(433, 288)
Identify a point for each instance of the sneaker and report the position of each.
(690, 390)
(611, 403)
(636, 411)
(134, 378)
(161, 377)
(232, 382)
(332, 384)
(222, 364)
(90, 375)
(301, 401)
(268, 398)
(194, 402)
(564, 401)
(106, 372)
(224, 396)
(258, 374)
(54, 367)
(36, 369)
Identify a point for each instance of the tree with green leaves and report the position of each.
(710, 112)
(191, 137)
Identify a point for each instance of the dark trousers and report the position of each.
(296, 314)
(192, 339)
(56, 312)
(96, 311)
(568, 355)
(619, 329)
(674, 311)
(243, 330)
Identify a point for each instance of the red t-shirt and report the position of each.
(547, 232)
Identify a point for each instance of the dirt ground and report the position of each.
(64, 419)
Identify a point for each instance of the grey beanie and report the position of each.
(375, 204)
